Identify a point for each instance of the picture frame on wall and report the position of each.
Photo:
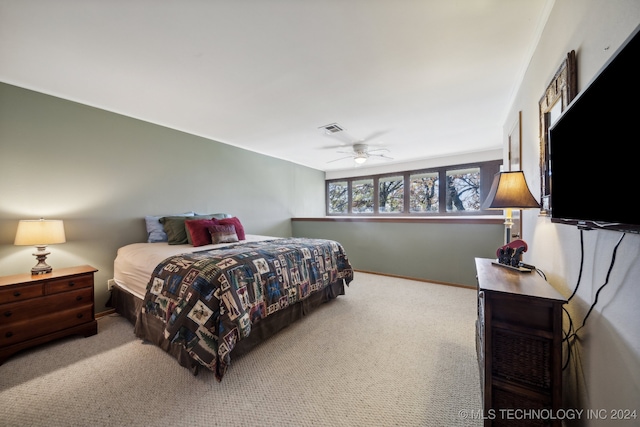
(560, 92)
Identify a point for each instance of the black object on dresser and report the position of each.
(41, 308)
(519, 346)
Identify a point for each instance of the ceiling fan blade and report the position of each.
(341, 136)
(341, 158)
(333, 147)
(379, 149)
(384, 156)
(374, 135)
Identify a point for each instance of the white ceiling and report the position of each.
(423, 78)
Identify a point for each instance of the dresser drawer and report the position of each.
(68, 284)
(18, 311)
(19, 293)
(35, 309)
(21, 331)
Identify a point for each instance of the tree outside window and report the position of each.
(362, 196)
(338, 197)
(463, 190)
(424, 192)
(391, 194)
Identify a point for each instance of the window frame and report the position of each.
(487, 170)
(376, 185)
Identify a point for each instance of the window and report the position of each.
(338, 201)
(423, 192)
(362, 196)
(391, 194)
(463, 190)
(450, 190)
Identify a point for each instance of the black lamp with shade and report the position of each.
(509, 191)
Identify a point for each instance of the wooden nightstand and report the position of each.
(41, 308)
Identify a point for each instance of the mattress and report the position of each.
(134, 263)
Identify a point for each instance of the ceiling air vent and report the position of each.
(331, 128)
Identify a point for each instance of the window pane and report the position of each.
(338, 197)
(423, 191)
(391, 194)
(362, 196)
(463, 190)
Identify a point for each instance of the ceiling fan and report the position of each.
(361, 153)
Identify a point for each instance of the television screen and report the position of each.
(594, 168)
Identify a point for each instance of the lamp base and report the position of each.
(42, 267)
(39, 270)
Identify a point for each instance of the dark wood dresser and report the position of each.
(41, 308)
(519, 346)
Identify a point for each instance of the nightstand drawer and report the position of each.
(26, 329)
(16, 293)
(18, 311)
(68, 284)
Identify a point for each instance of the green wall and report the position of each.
(439, 251)
(102, 173)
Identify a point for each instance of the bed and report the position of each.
(210, 303)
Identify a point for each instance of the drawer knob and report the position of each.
(79, 316)
(7, 313)
(8, 334)
(78, 298)
(71, 284)
(17, 294)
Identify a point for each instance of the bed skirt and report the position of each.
(151, 329)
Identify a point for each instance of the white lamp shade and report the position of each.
(40, 232)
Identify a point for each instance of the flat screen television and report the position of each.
(593, 163)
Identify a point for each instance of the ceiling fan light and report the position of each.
(360, 159)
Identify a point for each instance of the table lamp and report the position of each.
(40, 233)
(509, 191)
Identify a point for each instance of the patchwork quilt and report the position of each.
(209, 300)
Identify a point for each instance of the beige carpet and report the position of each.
(390, 352)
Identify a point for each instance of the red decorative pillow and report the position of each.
(236, 223)
(223, 234)
(198, 231)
